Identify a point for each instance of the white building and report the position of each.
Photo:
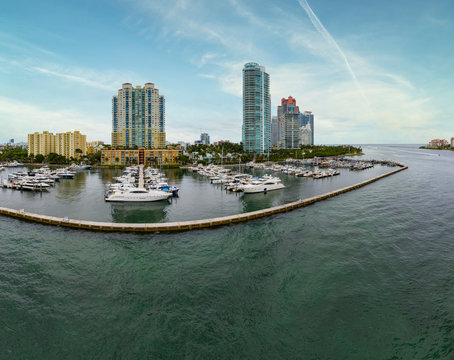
(305, 135)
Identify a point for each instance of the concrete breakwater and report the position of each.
(186, 225)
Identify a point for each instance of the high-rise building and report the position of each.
(69, 144)
(138, 117)
(43, 144)
(305, 135)
(205, 138)
(307, 117)
(274, 131)
(289, 118)
(256, 109)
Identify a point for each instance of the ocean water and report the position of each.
(365, 275)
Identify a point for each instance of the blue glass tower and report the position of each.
(256, 109)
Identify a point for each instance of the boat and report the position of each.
(137, 195)
(164, 186)
(264, 186)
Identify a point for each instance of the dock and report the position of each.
(187, 225)
(141, 176)
(21, 187)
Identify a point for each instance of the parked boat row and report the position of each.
(37, 179)
(138, 185)
(237, 182)
(11, 164)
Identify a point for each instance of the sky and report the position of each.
(372, 72)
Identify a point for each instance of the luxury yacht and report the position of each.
(258, 186)
(137, 195)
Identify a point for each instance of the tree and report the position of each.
(39, 158)
(78, 153)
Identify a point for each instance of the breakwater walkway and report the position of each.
(186, 225)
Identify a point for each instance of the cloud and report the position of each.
(25, 118)
(327, 36)
(74, 78)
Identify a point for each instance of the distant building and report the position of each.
(438, 143)
(274, 131)
(452, 142)
(289, 121)
(256, 131)
(183, 144)
(138, 117)
(69, 144)
(307, 117)
(94, 146)
(94, 143)
(153, 157)
(43, 144)
(305, 135)
(205, 138)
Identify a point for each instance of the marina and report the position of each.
(138, 194)
(196, 193)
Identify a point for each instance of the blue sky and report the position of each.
(372, 72)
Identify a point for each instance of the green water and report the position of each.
(365, 275)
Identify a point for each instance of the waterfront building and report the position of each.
(438, 143)
(274, 131)
(43, 144)
(69, 144)
(452, 142)
(256, 131)
(307, 117)
(138, 117)
(289, 123)
(205, 138)
(152, 157)
(305, 135)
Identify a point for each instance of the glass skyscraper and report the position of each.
(256, 109)
(307, 117)
(138, 117)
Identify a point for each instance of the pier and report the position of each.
(187, 225)
(14, 186)
(141, 181)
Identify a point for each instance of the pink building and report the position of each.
(438, 143)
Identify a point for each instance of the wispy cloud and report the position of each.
(328, 37)
(74, 78)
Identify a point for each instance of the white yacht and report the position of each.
(137, 195)
(266, 185)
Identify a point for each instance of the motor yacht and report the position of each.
(266, 185)
(137, 195)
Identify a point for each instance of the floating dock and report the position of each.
(14, 186)
(186, 225)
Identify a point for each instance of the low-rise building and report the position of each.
(438, 143)
(94, 146)
(452, 142)
(152, 157)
